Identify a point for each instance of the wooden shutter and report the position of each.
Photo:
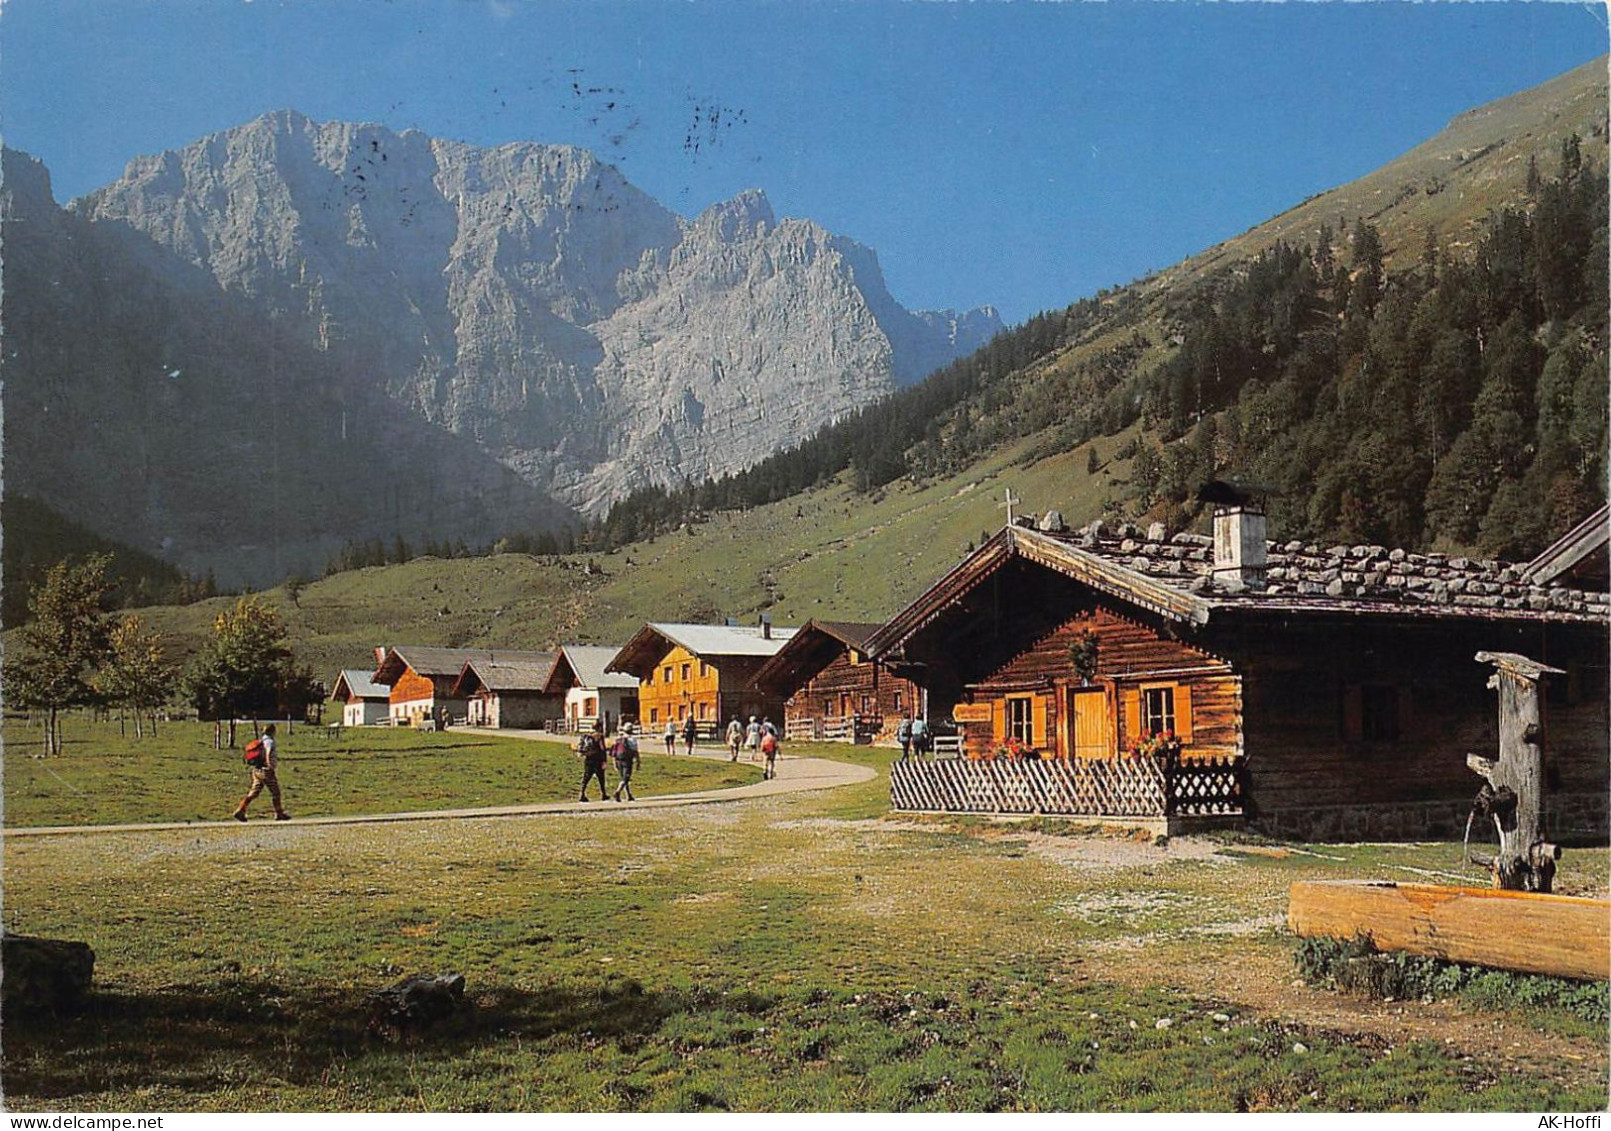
(1130, 711)
(998, 722)
(1183, 713)
(1038, 721)
(1353, 713)
(1406, 712)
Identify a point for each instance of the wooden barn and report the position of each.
(1323, 692)
(421, 681)
(832, 691)
(701, 670)
(592, 693)
(510, 689)
(363, 701)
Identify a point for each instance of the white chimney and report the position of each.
(1239, 546)
(766, 627)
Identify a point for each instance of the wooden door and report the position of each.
(1088, 711)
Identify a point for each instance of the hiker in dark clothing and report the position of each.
(690, 731)
(591, 748)
(625, 753)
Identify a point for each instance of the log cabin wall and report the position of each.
(1359, 729)
(739, 698)
(853, 685)
(1201, 690)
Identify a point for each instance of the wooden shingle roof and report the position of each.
(1171, 577)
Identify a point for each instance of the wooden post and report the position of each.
(1514, 794)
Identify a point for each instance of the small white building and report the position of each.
(591, 693)
(363, 701)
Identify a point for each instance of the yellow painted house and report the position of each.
(703, 671)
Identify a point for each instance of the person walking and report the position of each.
(752, 738)
(920, 736)
(769, 750)
(903, 735)
(591, 747)
(263, 761)
(690, 731)
(625, 752)
(671, 737)
(735, 738)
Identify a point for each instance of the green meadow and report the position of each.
(104, 778)
(806, 951)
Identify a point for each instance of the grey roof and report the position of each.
(725, 640)
(360, 684)
(514, 671)
(450, 661)
(588, 661)
(1309, 576)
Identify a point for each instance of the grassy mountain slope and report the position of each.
(830, 553)
(1448, 184)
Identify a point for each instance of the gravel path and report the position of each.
(795, 775)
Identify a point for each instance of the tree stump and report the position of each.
(44, 977)
(1514, 794)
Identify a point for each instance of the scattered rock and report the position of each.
(44, 977)
(419, 1002)
(1299, 1047)
(1163, 1023)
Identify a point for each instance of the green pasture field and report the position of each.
(798, 952)
(101, 778)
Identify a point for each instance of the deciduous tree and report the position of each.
(136, 675)
(63, 642)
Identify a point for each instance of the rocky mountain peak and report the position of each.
(748, 213)
(528, 297)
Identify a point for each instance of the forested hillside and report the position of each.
(1461, 401)
(1458, 399)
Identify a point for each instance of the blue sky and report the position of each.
(1021, 154)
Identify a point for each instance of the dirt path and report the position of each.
(795, 775)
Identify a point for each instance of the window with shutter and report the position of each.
(1157, 710)
(1021, 718)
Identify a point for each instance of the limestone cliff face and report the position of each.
(529, 298)
(144, 402)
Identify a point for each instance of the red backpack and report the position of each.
(255, 755)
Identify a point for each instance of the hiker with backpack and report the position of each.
(591, 747)
(625, 753)
(262, 756)
(769, 750)
(735, 738)
(690, 731)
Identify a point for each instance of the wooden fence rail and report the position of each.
(1123, 787)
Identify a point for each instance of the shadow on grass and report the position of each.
(239, 1031)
